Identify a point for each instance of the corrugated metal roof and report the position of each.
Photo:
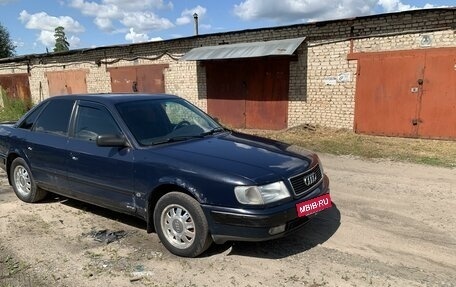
(245, 50)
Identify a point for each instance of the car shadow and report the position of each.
(317, 231)
(94, 209)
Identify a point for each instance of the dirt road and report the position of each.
(393, 224)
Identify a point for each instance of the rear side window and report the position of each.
(55, 117)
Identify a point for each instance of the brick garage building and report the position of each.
(389, 74)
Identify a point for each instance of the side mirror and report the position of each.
(112, 141)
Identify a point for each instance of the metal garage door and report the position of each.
(16, 86)
(142, 79)
(67, 82)
(438, 103)
(407, 93)
(249, 93)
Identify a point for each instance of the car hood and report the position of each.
(251, 157)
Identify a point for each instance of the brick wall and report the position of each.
(322, 80)
(322, 87)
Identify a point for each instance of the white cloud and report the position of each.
(43, 21)
(134, 37)
(74, 41)
(115, 9)
(393, 5)
(104, 24)
(47, 38)
(144, 21)
(314, 10)
(292, 10)
(46, 24)
(134, 5)
(135, 14)
(187, 15)
(397, 5)
(156, 39)
(98, 10)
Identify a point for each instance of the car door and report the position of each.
(99, 175)
(45, 144)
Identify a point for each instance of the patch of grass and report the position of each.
(346, 142)
(12, 108)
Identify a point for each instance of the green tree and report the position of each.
(61, 43)
(7, 48)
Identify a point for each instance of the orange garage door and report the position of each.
(407, 93)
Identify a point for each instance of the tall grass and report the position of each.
(12, 108)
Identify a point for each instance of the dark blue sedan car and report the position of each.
(162, 159)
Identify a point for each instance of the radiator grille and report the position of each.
(306, 181)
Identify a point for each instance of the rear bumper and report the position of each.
(232, 224)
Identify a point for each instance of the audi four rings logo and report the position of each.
(310, 179)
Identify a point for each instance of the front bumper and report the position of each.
(234, 224)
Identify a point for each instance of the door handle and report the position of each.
(74, 157)
(30, 148)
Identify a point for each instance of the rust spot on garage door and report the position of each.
(141, 79)
(67, 82)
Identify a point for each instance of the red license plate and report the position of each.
(313, 205)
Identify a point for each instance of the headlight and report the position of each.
(264, 194)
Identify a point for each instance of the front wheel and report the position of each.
(181, 225)
(23, 183)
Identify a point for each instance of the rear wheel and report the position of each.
(23, 183)
(181, 225)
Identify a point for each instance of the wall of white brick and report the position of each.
(322, 87)
(322, 80)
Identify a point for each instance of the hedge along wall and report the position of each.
(322, 79)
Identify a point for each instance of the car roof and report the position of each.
(114, 98)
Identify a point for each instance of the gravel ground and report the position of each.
(392, 224)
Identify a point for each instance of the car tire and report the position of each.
(181, 224)
(23, 183)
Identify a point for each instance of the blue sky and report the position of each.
(93, 23)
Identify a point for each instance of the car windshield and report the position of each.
(166, 120)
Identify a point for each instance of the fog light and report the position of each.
(277, 229)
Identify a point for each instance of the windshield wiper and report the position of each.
(176, 139)
(188, 137)
(213, 131)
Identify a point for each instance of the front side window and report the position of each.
(92, 121)
(55, 117)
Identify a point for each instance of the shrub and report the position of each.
(12, 108)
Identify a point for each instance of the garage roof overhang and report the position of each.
(244, 50)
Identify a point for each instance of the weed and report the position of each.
(12, 108)
(13, 272)
(345, 142)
